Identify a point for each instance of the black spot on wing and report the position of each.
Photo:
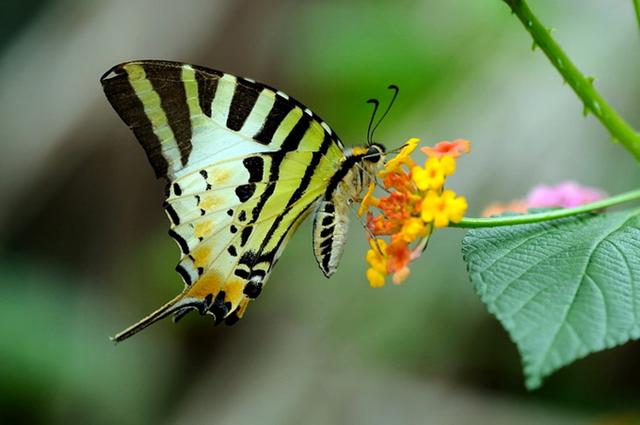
(245, 192)
(248, 259)
(232, 318)
(219, 308)
(255, 166)
(243, 274)
(252, 289)
(207, 301)
(244, 235)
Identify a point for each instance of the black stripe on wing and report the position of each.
(167, 82)
(122, 97)
(242, 103)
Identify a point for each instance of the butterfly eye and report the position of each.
(374, 153)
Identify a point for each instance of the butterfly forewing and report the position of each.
(244, 162)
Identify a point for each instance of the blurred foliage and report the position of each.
(15, 16)
(56, 362)
(84, 242)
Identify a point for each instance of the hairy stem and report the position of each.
(618, 128)
(469, 222)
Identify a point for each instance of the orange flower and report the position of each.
(396, 206)
(416, 204)
(453, 148)
(399, 257)
(399, 181)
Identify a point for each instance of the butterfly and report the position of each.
(245, 164)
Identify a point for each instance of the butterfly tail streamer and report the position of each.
(169, 308)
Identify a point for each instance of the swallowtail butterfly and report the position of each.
(245, 164)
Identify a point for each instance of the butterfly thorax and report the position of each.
(356, 172)
(358, 178)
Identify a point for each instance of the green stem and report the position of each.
(581, 85)
(636, 5)
(470, 223)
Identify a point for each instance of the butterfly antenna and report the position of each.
(376, 104)
(396, 90)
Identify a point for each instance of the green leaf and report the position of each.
(562, 288)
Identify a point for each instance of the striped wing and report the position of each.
(245, 163)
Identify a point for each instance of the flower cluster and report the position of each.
(416, 203)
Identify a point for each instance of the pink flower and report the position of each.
(451, 148)
(566, 195)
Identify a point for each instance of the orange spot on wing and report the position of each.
(233, 289)
(210, 283)
(209, 202)
(220, 176)
(203, 229)
(201, 256)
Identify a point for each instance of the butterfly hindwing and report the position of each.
(245, 164)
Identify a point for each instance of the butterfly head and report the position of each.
(375, 153)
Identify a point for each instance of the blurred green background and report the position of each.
(83, 243)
